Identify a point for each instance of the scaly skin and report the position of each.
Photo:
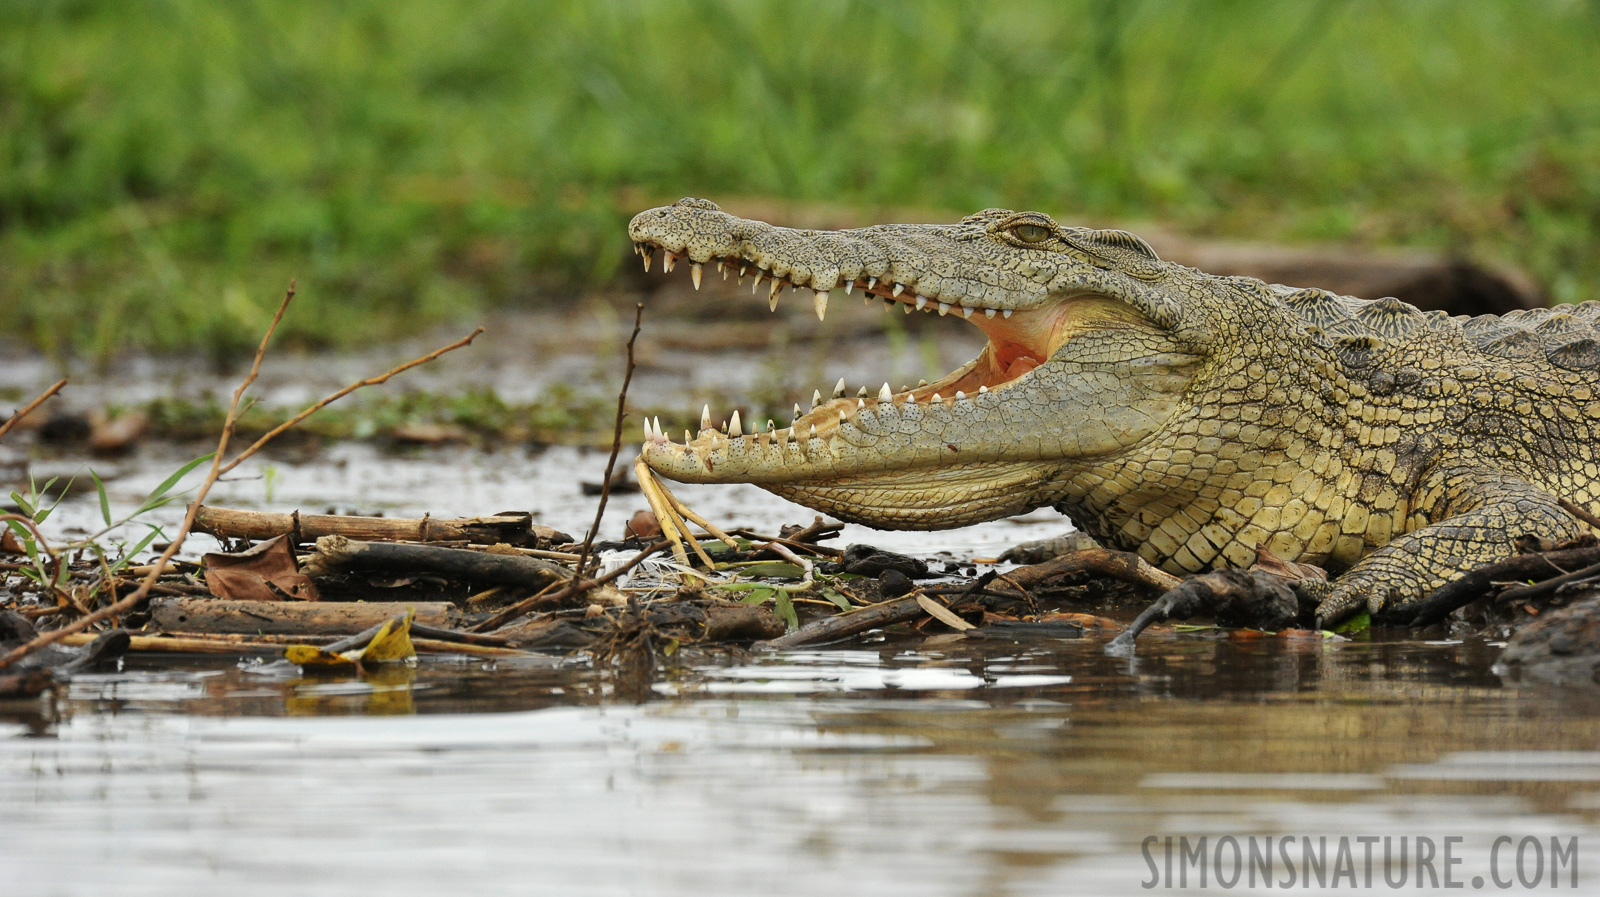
(1186, 417)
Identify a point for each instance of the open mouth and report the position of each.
(1019, 341)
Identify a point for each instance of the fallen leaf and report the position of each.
(264, 572)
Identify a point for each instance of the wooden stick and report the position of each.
(214, 644)
(336, 554)
(1580, 512)
(302, 528)
(1464, 590)
(287, 617)
(28, 408)
(616, 444)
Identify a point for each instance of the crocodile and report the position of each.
(1190, 418)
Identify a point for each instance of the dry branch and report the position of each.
(616, 444)
(511, 529)
(28, 408)
(287, 617)
(336, 554)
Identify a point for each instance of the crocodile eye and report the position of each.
(1030, 233)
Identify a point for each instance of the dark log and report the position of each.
(511, 528)
(337, 554)
(841, 626)
(286, 617)
(1460, 592)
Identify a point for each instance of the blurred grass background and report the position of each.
(167, 165)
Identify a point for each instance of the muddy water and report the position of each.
(891, 768)
(943, 766)
(927, 767)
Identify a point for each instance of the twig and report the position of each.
(28, 408)
(272, 434)
(616, 444)
(139, 594)
(578, 584)
(1573, 508)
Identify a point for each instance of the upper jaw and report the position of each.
(923, 265)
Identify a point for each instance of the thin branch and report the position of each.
(1580, 512)
(28, 408)
(272, 434)
(139, 594)
(616, 444)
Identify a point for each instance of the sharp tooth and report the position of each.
(743, 267)
(936, 398)
(921, 383)
(686, 438)
(734, 428)
(861, 393)
(860, 404)
(966, 312)
(813, 431)
(722, 269)
(705, 417)
(770, 425)
(983, 389)
(848, 286)
(755, 284)
(960, 396)
(669, 261)
(772, 302)
(988, 312)
(907, 307)
(645, 251)
(872, 282)
(898, 289)
(659, 435)
(1006, 313)
(796, 411)
(841, 418)
(694, 274)
(816, 397)
(866, 298)
(884, 394)
(944, 309)
(889, 304)
(649, 437)
(820, 303)
(773, 292)
(922, 302)
(838, 389)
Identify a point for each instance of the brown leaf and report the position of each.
(1267, 562)
(264, 572)
(9, 543)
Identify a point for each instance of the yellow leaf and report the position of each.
(392, 643)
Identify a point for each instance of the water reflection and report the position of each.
(942, 767)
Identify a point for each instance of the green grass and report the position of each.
(166, 166)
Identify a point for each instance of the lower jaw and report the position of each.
(931, 499)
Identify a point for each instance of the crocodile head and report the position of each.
(1090, 352)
